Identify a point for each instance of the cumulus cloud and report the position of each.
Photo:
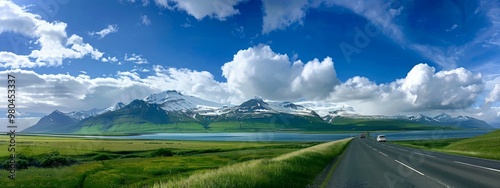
(106, 31)
(43, 93)
(137, 59)
(494, 95)
(453, 89)
(109, 59)
(422, 90)
(279, 14)
(51, 37)
(220, 9)
(258, 71)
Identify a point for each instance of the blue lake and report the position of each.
(272, 136)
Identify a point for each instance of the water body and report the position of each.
(271, 136)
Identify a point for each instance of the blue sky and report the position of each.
(368, 52)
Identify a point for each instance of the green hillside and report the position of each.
(381, 125)
(486, 146)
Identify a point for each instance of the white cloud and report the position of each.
(494, 95)
(453, 89)
(279, 14)
(113, 59)
(258, 71)
(106, 31)
(9, 59)
(137, 59)
(51, 37)
(109, 59)
(422, 90)
(145, 3)
(220, 9)
(46, 92)
(145, 20)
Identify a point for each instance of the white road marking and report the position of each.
(425, 155)
(401, 149)
(391, 147)
(492, 169)
(410, 168)
(382, 153)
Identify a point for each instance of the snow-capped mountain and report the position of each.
(83, 114)
(443, 117)
(172, 100)
(325, 109)
(421, 119)
(117, 106)
(171, 108)
(253, 105)
(291, 108)
(258, 105)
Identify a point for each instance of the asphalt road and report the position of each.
(367, 163)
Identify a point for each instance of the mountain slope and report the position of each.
(55, 122)
(136, 113)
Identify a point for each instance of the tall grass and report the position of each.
(484, 146)
(295, 169)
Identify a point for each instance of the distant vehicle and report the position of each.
(362, 136)
(381, 138)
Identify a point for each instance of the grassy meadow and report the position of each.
(295, 169)
(136, 163)
(345, 124)
(484, 146)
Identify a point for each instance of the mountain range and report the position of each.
(171, 111)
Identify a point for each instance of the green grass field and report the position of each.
(132, 163)
(429, 144)
(295, 169)
(484, 146)
(381, 125)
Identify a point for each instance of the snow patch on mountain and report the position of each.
(117, 106)
(323, 109)
(172, 100)
(83, 114)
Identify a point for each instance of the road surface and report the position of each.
(367, 163)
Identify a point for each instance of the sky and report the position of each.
(380, 57)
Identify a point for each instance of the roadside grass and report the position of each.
(295, 169)
(484, 146)
(428, 144)
(381, 125)
(131, 163)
